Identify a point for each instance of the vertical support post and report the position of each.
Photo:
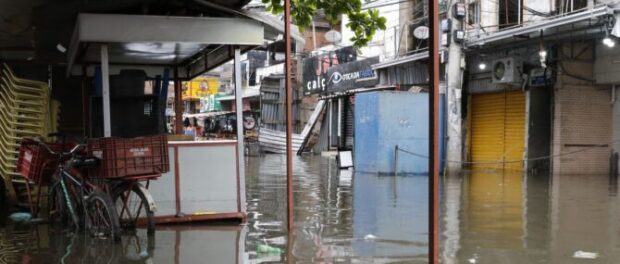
(240, 134)
(85, 103)
(289, 115)
(453, 95)
(433, 170)
(178, 103)
(105, 81)
(396, 160)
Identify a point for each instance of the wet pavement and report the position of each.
(341, 218)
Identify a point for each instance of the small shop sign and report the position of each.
(357, 74)
(315, 68)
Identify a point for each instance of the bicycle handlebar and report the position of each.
(70, 153)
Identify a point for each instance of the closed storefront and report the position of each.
(498, 130)
(582, 114)
(583, 127)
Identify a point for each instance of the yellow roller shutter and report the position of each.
(514, 130)
(497, 130)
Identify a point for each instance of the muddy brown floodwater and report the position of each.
(364, 218)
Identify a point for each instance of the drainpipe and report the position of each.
(313, 36)
(613, 94)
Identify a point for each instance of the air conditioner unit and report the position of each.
(506, 71)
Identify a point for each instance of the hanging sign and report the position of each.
(315, 68)
(357, 74)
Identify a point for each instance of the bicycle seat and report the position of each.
(85, 162)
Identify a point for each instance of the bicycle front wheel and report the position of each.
(133, 207)
(101, 218)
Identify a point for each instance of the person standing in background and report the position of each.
(190, 130)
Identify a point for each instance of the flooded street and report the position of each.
(486, 218)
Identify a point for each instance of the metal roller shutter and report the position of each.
(349, 122)
(498, 130)
(514, 130)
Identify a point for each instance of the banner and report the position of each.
(210, 103)
(200, 87)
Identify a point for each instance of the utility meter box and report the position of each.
(506, 71)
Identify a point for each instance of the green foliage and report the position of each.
(363, 23)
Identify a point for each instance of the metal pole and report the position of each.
(289, 116)
(178, 103)
(240, 134)
(433, 72)
(396, 160)
(105, 81)
(85, 103)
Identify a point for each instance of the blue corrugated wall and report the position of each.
(386, 119)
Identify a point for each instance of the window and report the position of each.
(473, 13)
(508, 13)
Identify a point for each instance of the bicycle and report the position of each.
(79, 201)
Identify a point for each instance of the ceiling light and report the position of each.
(542, 54)
(482, 66)
(61, 48)
(609, 42)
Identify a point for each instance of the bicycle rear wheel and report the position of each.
(133, 207)
(101, 218)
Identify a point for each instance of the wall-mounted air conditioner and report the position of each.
(506, 71)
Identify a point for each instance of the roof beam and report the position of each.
(105, 28)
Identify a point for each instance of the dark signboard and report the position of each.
(357, 74)
(315, 68)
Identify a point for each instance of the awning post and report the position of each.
(178, 103)
(433, 116)
(240, 134)
(289, 121)
(105, 83)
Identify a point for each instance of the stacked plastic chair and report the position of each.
(24, 112)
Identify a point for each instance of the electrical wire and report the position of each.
(384, 4)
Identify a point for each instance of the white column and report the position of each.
(240, 137)
(454, 81)
(105, 80)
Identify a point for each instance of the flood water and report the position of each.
(364, 218)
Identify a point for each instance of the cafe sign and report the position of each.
(357, 74)
(315, 68)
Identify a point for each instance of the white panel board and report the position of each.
(163, 190)
(208, 179)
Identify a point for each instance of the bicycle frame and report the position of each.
(79, 188)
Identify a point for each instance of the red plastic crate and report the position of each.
(35, 163)
(121, 157)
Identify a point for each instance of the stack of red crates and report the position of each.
(122, 157)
